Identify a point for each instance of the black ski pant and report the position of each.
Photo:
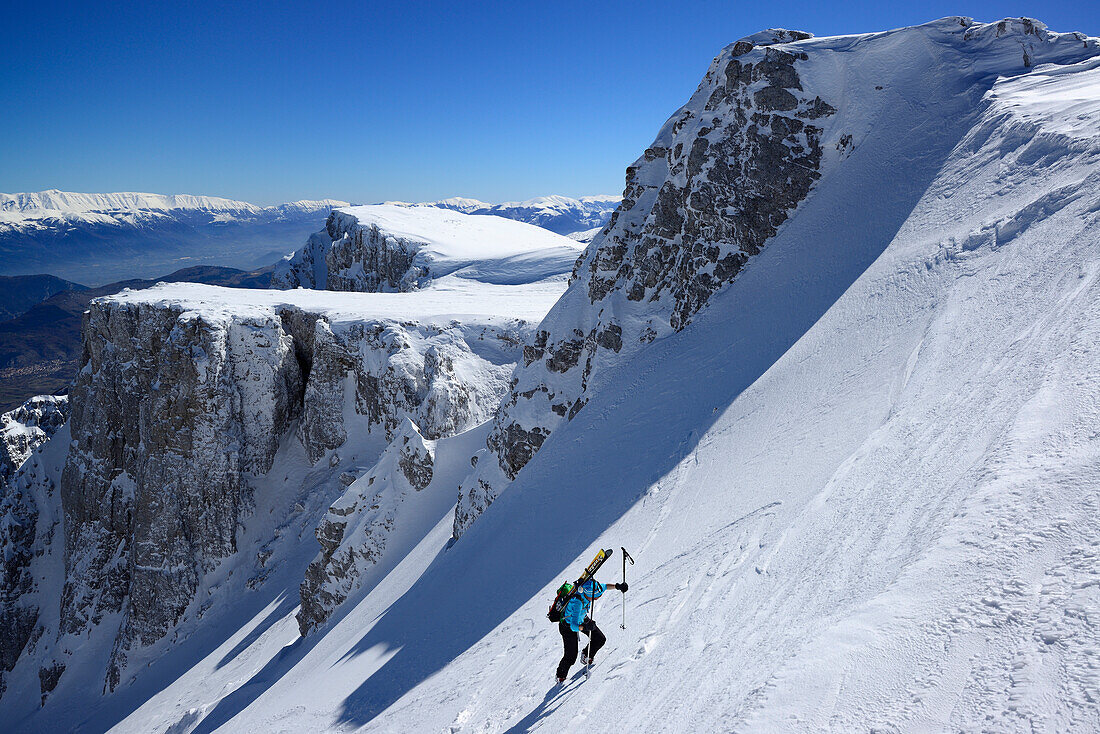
(569, 638)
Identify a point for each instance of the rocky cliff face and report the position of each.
(723, 175)
(27, 522)
(436, 374)
(31, 542)
(182, 402)
(348, 256)
(172, 412)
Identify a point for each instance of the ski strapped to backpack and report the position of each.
(561, 600)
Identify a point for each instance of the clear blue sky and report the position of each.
(366, 101)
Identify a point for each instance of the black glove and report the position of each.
(622, 587)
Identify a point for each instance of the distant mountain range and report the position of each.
(103, 238)
(560, 214)
(97, 244)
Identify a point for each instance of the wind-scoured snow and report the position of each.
(859, 484)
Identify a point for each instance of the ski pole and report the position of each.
(592, 622)
(626, 557)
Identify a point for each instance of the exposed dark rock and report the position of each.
(725, 174)
(565, 355)
(611, 338)
(49, 677)
(772, 99)
(515, 446)
(355, 531)
(416, 464)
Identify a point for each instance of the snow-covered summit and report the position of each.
(390, 247)
(772, 36)
(457, 203)
(450, 239)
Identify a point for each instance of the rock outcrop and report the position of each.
(184, 397)
(172, 411)
(354, 533)
(723, 175)
(26, 428)
(31, 542)
(405, 369)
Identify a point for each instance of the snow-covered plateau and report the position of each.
(560, 214)
(392, 247)
(830, 374)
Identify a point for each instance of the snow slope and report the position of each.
(212, 429)
(860, 484)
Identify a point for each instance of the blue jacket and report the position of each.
(580, 604)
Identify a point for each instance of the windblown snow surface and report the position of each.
(860, 488)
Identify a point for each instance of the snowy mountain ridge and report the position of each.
(121, 208)
(829, 373)
(97, 239)
(722, 178)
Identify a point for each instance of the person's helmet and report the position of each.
(565, 588)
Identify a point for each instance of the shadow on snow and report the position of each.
(650, 414)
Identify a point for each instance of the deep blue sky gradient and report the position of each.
(366, 101)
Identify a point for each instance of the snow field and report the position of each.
(860, 487)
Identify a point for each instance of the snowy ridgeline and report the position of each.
(151, 234)
(391, 247)
(829, 372)
(767, 125)
(49, 208)
(97, 239)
